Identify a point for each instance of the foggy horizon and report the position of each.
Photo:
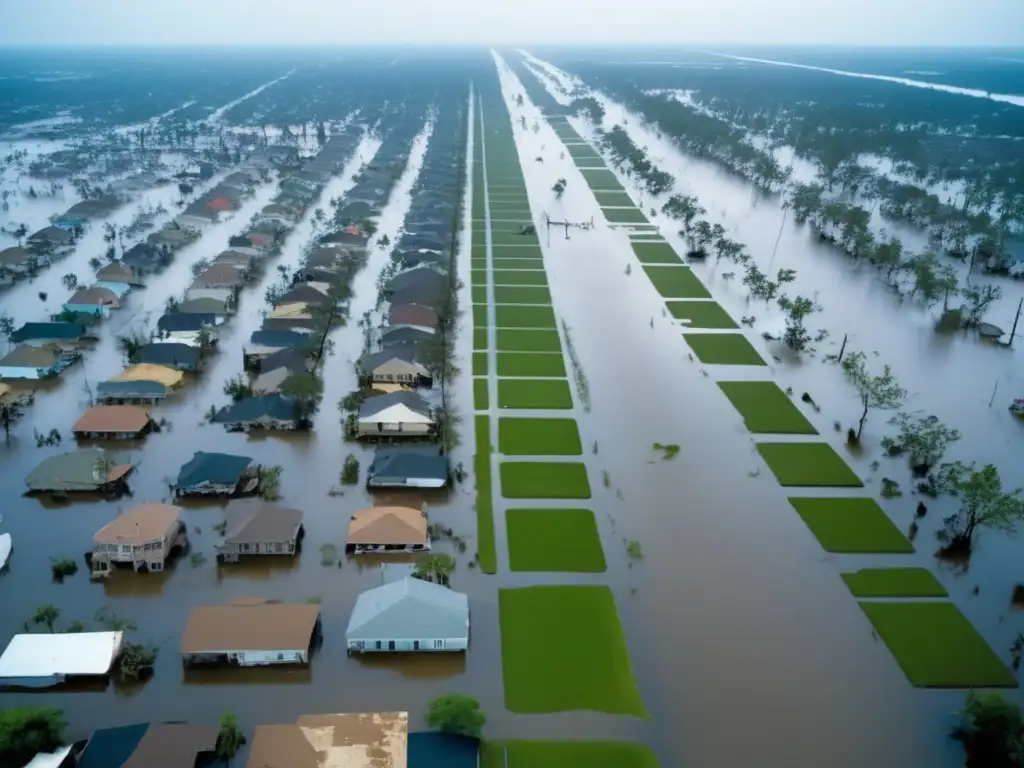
(871, 23)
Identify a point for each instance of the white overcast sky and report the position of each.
(203, 22)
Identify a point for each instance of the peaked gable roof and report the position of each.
(409, 609)
(275, 406)
(254, 521)
(216, 468)
(371, 360)
(388, 525)
(374, 405)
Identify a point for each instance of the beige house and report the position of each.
(388, 529)
(258, 527)
(142, 537)
(394, 366)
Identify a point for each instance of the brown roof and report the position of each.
(27, 356)
(144, 523)
(361, 740)
(14, 255)
(217, 275)
(118, 270)
(412, 314)
(388, 525)
(255, 521)
(263, 627)
(167, 745)
(112, 418)
(98, 295)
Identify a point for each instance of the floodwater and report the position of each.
(746, 646)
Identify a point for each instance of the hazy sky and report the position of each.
(882, 22)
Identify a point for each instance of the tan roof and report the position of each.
(363, 740)
(388, 525)
(218, 275)
(96, 295)
(112, 418)
(4, 389)
(146, 522)
(172, 745)
(263, 627)
(388, 389)
(298, 309)
(169, 377)
(27, 356)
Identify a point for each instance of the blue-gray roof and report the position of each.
(280, 339)
(111, 747)
(432, 749)
(410, 609)
(378, 403)
(373, 359)
(252, 408)
(35, 331)
(170, 354)
(131, 388)
(217, 468)
(186, 321)
(401, 464)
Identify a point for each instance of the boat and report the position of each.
(5, 548)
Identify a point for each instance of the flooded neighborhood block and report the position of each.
(542, 394)
(517, 316)
(765, 408)
(562, 649)
(894, 582)
(578, 754)
(851, 525)
(936, 646)
(516, 294)
(631, 215)
(539, 364)
(808, 464)
(554, 540)
(701, 314)
(723, 349)
(677, 282)
(538, 437)
(544, 480)
(656, 253)
(535, 277)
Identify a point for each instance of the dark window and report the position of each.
(415, 645)
(378, 645)
(391, 645)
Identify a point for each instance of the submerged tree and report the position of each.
(456, 713)
(230, 738)
(991, 730)
(70, 281)
(437, 568)
(978, 299)
(47, 616)
(983, 504)
(923, 437)
(876, 391)
(797, 337)
(559, 188)
(305, 389)
(10, 413)
(28, 731)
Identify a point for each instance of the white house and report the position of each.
(398, 414)
(409, 615)
(44, 660)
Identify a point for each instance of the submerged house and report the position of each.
(16, 260)
(118, 272)
(397, 365)
(169, 377)
(408, 467)
(45, 660)
(364, 740)
(151, 745)
(36, 362)
(409, 615)
(96, 300)
(250, 634)
(413, 316)
(277, 368)
(398, 414)
(112, 422)
(259, 527)
(216, 474)
(91, 469)
(39, 334)
(130, 393)
(388, 529)
(171, 354)
(143, 538)
(260, 412)
(204, 307)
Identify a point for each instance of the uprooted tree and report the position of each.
(983, 504)
(876, 391)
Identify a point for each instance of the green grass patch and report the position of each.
(479, 315)
(479, 240)
(534, 277)
(631, 215)
(481, 397)
(512, 238)
(766, 408)
(512, 294)
(538, 364)
(600, 178)
(554, 540)
(808, 464)
(479, 363)
(518, 252)
(508, 263)
(538, 437)
(528, 340)
(486, 548)
(656, 253)
(478, 277)
(607, 197)
(894, 582)
(517, 316)
(851, 526)
(479, 294)
(701, 314)
(723, 349)
(936, 646)
(677, 282)
(544, 480)
(562, 649)
(536, 394)
(572, 754)
(479, 338)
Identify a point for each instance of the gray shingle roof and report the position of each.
(216, 468)
(252, 408)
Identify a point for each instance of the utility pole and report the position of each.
(1013, 332)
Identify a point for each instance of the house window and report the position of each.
(280, 657)
(439, 645)
(378, 645)
(415, 645)
(279, 547)
(391, 645)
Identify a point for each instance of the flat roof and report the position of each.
(46, 655)
(253, 627)
(359, 740)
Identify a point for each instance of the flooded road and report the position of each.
(735, 614)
